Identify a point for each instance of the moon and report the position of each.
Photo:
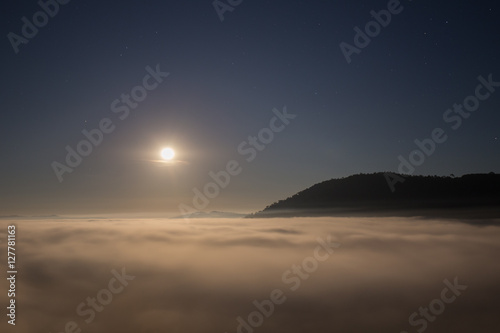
(167, 154)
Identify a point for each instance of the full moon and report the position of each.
(167, 154)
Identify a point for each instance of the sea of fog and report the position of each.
(253, 275)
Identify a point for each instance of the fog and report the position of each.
(201, 275)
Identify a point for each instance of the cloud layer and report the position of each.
(201, 275)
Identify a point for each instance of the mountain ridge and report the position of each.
(367, 194)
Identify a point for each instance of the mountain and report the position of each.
(373, 194)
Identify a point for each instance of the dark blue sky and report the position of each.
(224, 80)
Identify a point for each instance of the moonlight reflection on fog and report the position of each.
(201, 275)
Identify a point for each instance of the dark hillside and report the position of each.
(372, 193)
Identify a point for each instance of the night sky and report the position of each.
(224, 80)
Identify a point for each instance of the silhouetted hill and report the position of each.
(371, 194)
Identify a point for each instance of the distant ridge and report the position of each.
(370, 194)
(212, 214)
(28, 217)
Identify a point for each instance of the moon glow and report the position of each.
(167, 154)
